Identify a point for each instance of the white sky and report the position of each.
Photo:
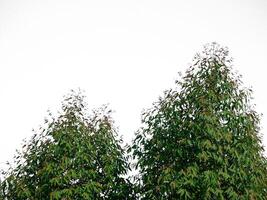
(120, 52)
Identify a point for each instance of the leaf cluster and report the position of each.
(75, 157)
(201, 140)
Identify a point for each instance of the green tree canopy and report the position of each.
(201, 140)
(75, 156)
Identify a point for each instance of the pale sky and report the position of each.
(121, 52)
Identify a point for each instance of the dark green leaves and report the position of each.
(76, 156)
(201, 141)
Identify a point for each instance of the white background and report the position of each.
(121, 52)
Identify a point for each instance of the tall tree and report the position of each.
(201, 140)
(75, 157)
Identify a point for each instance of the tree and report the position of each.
(75, 156)
(201, 140)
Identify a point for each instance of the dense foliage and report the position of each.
(75, 157)
(201, 140)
